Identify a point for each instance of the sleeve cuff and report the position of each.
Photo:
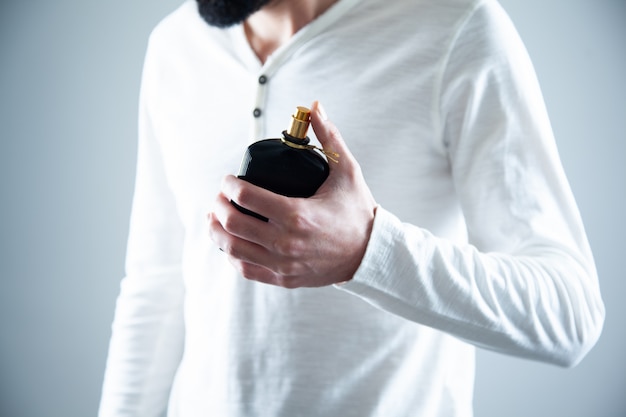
(375, 266)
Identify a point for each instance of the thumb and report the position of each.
(330, 138)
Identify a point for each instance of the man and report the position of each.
(447, 223)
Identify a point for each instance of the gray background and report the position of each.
(69, 75)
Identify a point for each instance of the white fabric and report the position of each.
(439, 103)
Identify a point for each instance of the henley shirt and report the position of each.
(477, 240)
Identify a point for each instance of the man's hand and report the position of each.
(307, 242)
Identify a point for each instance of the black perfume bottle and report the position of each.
(286, 165)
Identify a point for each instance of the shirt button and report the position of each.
(262, 79)
(257, 112)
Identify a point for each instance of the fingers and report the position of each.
(237, 224)
(244, 237)
(306, 242)
(263, 275)
(256, 199)
(254, 262)
(329, 136)
(236, 248)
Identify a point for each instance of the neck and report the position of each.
(276, 23)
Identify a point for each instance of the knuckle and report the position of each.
(289, 247)
(287, 269)
(298, 221)
(229, 224)
(247, 271)
(290, 284)
(232, 250)
(287, 283)
(241, 196)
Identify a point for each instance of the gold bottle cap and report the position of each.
(300, 121)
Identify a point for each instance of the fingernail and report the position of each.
(322, 111)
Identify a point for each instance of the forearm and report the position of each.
(543, 304)
(145, 348)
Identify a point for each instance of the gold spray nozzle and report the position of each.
(300, 121)
(299, 125)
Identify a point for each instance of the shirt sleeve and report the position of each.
(147, 332)
(525, 284)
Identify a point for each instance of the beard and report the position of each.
(225, 13)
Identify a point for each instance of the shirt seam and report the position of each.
(436, 112)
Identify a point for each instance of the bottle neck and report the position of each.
(292, 140)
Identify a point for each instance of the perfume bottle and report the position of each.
(286, 165)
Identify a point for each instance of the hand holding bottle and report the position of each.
(307, 242)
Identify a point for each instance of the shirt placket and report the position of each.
(265, 73)
(260, 105)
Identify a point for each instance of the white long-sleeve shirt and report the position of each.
(477, 240)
